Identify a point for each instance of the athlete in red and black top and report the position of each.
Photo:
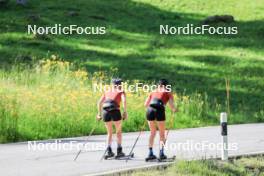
(109, 111)
(155, 105)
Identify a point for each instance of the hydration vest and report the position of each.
(110, 105)
(156, 103)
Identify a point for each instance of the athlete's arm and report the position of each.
(99, 106)
(123, 98)
(147, 101)
(171, 104)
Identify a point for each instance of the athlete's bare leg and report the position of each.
(162, 128)
(109, 129)
(118, 127)
(152, 127)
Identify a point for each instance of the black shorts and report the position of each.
(154, 113)
(112, 115)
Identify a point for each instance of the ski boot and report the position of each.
(109, 153)
(162, 156)
(150, 157)
(120, 153)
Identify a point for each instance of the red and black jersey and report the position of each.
(114, 95)
(161, 94)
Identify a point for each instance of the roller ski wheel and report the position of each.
(132, 155)
(167, 159)
(151, 158)
(120, 155)
(124, 156)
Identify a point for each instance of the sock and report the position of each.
(119, 146)
(109, 146)
(162, 151)
(150, 151)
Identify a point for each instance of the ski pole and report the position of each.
(103, 155)
(91, 132)
(168, 130)
(171, 126)
(134, 145)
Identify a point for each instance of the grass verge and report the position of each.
(248, 166)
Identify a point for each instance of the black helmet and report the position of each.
(117, 81)
(163, 82)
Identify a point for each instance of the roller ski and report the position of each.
(109, 153)
(119, 156)
(124, 157)
(166, 159)
(151, 158)
(162, 157)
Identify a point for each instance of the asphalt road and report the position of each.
(49, 159)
